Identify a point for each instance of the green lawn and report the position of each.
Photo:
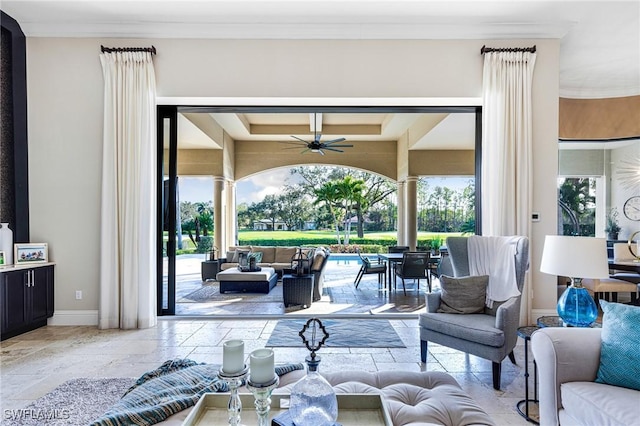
(289, 235)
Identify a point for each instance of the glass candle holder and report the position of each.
(234, 380)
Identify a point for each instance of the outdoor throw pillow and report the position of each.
(236, 254)
(619, 356)
(463, 295)
(318, 258)
(257, 255)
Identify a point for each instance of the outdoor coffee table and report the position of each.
(247, 282)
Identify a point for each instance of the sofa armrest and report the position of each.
(563, 355)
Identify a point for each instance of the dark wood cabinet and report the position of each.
(26, 299)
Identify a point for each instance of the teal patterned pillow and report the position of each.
(619, 354)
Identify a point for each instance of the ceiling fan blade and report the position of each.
(334, 141)
(304, 150)
(301, 140)
(320, 152)
(293, 147)
(338, 146)
(328, 148)
(298, 143)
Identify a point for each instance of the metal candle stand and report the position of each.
(262, 393)
(234, 380)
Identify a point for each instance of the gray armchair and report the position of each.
(492, 334)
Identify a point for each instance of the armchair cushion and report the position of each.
(619, 356)
(478, 328)
(463, 295)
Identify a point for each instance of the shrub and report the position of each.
(205, 244)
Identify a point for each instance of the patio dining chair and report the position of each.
(415, 266)
(378, 266)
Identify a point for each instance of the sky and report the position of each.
(250, 190)
(255, 188)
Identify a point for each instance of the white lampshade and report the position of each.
(575, 257)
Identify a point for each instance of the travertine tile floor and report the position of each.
(36, 362)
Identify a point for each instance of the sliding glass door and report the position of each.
(168, 211)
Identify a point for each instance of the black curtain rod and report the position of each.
(507, 49)
(151, 49)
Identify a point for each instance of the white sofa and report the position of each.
(568, 361)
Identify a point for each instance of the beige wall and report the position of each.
(65, 119)
(375, 157)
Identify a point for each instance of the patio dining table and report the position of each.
(393, 258)
(390, 258)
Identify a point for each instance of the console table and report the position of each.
(26, 297)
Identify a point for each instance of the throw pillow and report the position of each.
(463, 295)
(257, 255)
(318, 258)
(236, 254)
(619, 356)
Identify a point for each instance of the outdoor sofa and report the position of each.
(279, 258)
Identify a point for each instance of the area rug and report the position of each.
(355, 333)
(210, 292)
(75, 402)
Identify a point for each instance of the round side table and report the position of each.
(556, 321)
(525, 333)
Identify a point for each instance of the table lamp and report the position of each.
(576, 258)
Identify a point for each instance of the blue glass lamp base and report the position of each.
(576, 307)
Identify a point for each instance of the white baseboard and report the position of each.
(74, 318)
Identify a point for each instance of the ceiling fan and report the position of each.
(316, 145)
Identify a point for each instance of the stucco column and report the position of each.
(231, 219)
(401, 233)
(411, 229)
(218, 215)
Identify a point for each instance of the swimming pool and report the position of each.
(348, 258)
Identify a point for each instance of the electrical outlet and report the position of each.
(78, 294)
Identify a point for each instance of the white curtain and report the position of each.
(507, 148)
(128, 223)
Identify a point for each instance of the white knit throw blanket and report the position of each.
(494, 256)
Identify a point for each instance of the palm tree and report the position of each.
(328, 195)
(350, 193)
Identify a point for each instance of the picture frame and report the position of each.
(27, 253)
(3, 259)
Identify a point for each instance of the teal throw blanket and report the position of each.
(173, 387)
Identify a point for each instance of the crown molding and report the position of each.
(300, 31)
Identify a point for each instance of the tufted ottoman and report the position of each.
(423, 398)
(416, 399)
